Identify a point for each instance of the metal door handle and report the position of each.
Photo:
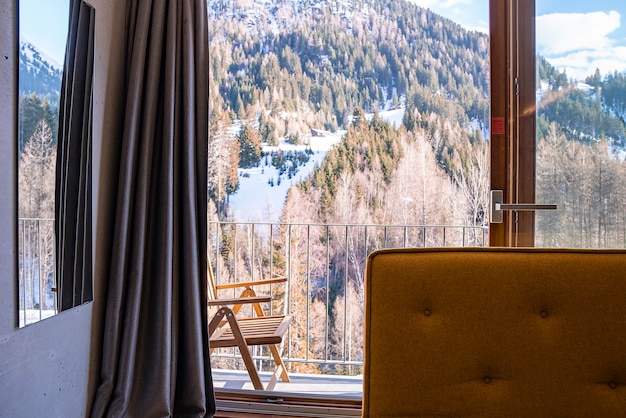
(495, 215)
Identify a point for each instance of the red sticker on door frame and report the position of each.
(497, 126)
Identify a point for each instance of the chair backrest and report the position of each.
(495, 333)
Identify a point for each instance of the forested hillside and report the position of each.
(581, 160)
(287, 67)
(292, 66)
(330, 58)
(586, 110)
(39, 87)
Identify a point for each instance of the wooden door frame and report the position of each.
(513, 120)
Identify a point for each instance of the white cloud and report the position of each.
(584, 63)
(579, 42)
(560, 33)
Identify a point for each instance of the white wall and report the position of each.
(50, 369)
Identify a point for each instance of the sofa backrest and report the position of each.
(495, 333)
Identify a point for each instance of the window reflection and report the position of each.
(43, 32)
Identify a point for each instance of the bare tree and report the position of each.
(36, 167)
(473, 183)
(421, 193)
(300, 258)
(587, 183)
(223, 157)
(36, 186)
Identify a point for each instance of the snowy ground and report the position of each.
(31, 316)
(257, 201)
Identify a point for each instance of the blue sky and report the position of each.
(577, 36)
(44, 23)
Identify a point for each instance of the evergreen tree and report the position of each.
(32, 110)
(268, 131)
(249, 147)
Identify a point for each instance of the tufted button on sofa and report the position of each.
(495, 332)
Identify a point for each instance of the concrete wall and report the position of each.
(51, 368)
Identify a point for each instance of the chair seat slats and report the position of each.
(256, 331)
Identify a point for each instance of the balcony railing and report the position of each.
(36, 270)
(324, 265)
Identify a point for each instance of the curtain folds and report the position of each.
(155, 360)
(73, 238)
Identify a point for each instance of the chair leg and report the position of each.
(225, 314)
(279, 370)
(244, 350)
(274, 379)
(279, 363)
(215, 322)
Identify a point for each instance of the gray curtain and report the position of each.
(155, 360)
(73, 242)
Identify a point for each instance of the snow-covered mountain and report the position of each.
(279, 15)
(38, 73)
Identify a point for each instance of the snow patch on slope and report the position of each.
(258, 201)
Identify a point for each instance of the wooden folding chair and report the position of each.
(226, 329)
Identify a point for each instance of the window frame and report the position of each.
(513, 104)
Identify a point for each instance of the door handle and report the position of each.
(495, 214)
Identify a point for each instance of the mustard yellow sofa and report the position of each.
(490, 332)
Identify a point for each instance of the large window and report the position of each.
(337, 128)
(581, 135)
(345, 127)
(557, 101)
(43, 36)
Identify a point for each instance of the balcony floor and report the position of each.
(316, 384)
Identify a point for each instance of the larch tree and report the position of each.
(223, 160)
(473, 183)
(303, 265)
(37, 167)
(36, 191)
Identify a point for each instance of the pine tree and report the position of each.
(32, 110)
(249, 147)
